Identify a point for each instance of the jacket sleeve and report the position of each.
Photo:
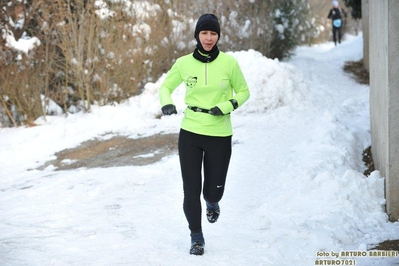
(330, 14)
(172, 81)
(240, 88)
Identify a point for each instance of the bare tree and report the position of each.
(99, 52)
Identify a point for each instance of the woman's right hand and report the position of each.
(169, 109)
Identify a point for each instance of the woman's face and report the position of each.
(208, 39)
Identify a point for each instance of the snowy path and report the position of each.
(294, 185)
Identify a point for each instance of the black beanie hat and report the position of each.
(207, 22)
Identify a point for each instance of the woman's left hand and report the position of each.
(216, 111)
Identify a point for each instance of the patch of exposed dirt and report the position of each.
(388, 245)
(117, 151)
(357, 69)
(368, 161)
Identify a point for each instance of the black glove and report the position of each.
(169, 109)
(234, 103)
(216, 111)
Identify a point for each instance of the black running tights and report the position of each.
(211, 153)
(337, 31)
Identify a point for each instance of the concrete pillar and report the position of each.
(384, 96)
(365, 27)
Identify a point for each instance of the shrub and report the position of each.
(100, 52)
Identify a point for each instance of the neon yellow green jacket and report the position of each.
(207, 85)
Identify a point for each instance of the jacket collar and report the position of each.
(201, 55)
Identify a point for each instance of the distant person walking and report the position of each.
(337, 21)
(215, 87)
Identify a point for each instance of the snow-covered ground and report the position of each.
(295, 191)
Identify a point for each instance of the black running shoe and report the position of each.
(197, 248)
(212, 212)
(197, 243)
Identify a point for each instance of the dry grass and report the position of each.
(84, 59)
(357, 69)
(388, 245)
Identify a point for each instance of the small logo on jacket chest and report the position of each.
(191, 82)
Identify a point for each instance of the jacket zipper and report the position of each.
(206, 73)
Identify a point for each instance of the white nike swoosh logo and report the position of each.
(219, 186)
